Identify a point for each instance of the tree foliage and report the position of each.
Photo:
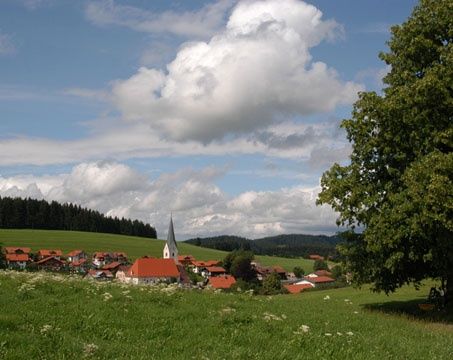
(272, 285)
(320, 265)
(238, 264)
(298, 271)
(399, 184)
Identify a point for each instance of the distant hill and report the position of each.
(294, 245)
(18, 213)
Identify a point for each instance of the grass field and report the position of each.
(47, 316)
(134, 246)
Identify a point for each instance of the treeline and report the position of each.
(296, 245)
(18, 213)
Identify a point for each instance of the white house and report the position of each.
(150, 270)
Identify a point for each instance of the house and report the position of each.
(297, 288)
(113, 266)
(320, 280)
(16, 250)
(213, 271)
(149, 271)
(199, 266)
(51, 263)
(76, 256)
(323, 273)
(171, 249)
(101, 275)
(120, 257)
(17, 261)
(280, 271)
(185, 260)
(81, 265)
(100, 259)
(221, 282)
(121, 273)
(45, 253)
(305, 282)
(315, 257)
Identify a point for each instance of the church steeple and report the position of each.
(171, 249)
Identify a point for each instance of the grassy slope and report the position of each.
(141, 323)
(133, 246)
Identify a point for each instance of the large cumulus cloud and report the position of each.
(256, 72)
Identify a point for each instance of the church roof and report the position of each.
(171, 241)
(147, 267)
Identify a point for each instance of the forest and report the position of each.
(18, 213)
(294, 245)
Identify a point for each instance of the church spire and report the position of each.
(171, 249)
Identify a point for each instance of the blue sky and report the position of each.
(224, 112)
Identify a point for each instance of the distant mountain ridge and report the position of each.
(292, 245)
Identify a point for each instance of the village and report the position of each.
(184, 270)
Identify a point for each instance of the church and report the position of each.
(171, 249)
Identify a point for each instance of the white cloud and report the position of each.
(201, 23)
(257, 72)
(199, 207)
(6, 44)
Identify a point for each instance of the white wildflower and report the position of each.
(268, 317)
(90, 349)
(46, 329)
(356, 312)
(349, 333)
(339, 333)
(303, 329)
(107, 296)
(327, 297)
(328, 334)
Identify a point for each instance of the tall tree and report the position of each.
(399, 183)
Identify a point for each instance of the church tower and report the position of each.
(170, 249)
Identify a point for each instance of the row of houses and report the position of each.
(22, 257)
(172, 267)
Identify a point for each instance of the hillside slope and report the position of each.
(134, 246)
(63, 317)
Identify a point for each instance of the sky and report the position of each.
(222, 113)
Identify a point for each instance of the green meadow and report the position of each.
(45, 316)
(134, 246)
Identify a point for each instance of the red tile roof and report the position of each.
(49, 258)
(296, 289)
(17, 257)
(98, 273)
(15, 250)
(323, 273)
(212, 262)
(222, 282)
(47, 253)
(321, 279)
(75, 252)
(316, 257)
(216, 269)
(78, 263)
(147, 267)
(101, 254)
(111, 266)
(278, 269)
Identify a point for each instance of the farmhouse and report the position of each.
(101, 275)
(213, 271)
(76, 256)
(101, 258)
(17, 261)
(149, 271)
(297, 288)
(45, 253)
(17, 250)
(186, 260)
(221, 282)
(51, 263)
